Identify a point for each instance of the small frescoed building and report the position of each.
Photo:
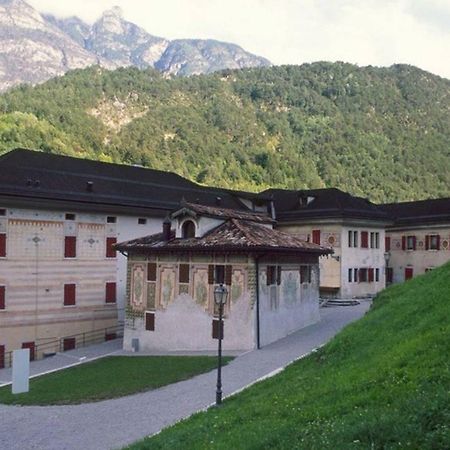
(272, 278)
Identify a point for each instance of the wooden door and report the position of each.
(408, 273)
(32, 347)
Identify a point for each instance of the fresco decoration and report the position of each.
(167, 285)
(263, 281)
(332, 239)
(200, 278)
(237, 284)
(290, 285)
(273, 297)
(138, 287)
(151, 296)
(184, 289)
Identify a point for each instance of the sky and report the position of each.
(363, 32)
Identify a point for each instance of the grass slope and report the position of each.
(110, 377)
(383, 382)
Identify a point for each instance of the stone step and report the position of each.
(337, 302)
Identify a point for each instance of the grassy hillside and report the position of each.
(384, 382)
(376, 132)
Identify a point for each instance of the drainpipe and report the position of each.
(258, 343)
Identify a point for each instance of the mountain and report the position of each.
(35, 47)
(380, 133)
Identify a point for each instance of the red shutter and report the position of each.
(364, 239)
(427, 242)
(110, 292)
(316, 236)
(69, 294)
(438, 242)
(110, 251)
(70, 247)
(387, 244)
(151, 272)
(183, 274)
(2, 244)
(211, 274)
(2, 297)
(31, 346)
(414, 242)
(2, 356)
(370, 271)
(403, 242)
(228, 273)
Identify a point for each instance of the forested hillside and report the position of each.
(382, 133)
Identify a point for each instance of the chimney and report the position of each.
(218, 201)
(167, 225)
(90, 186)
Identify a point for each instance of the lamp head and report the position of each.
(220, 294)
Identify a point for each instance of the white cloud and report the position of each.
(376, 32)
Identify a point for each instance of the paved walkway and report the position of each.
(116, 423)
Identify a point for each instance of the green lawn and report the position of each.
(110, 377)
(382, 383)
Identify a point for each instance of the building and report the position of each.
(353, 227)
(272, 278)
(418, 239)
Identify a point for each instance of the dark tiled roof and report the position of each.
(419, 212)
(326, 203)
(28, 174)
(233, 235)
(222, 213)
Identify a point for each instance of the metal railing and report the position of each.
(70, 342)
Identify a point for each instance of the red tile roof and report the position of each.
(234, 235)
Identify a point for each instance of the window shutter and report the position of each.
(387, 244)
(316, 236)
(427, 242)
(70, 247)
(2, 244)
(370, 275)
(110, 251)
(183, 275)
(151, 272)
(278, 275)
(211, 274)
(269, 275)
(414, 242)
(2, 297)
(2, 356)
(438, 242)
(228, 272)
(403, 242)
(364, 239)
(110, 292)
(150, 321)
(69, 294)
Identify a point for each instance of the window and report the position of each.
(429, 269)
(2, 245)
(142, 221)
(432, 242)
(377, 275)
(110, 251)
(370, 273)
(364, 239)
(363, 275)
(372, 239)
(110, 292)
(410, 243)
(316, 236)
(183, 273)
(69, 344)
(2, 297)
(305, 274)
(150, 320)
(355, 275)
(273, 275)
(350, 238)
(377, 240)
(111, 219)
(355, 239)
(350, 277)
(219, 274)
(2, 212)
(70, 216)
(70, 247)
(151, 272)
(69, 294)
(188, 229)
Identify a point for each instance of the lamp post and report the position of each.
(220, 298)
(387, 257)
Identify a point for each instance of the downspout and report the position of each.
(258, 343)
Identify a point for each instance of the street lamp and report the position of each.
(220, 298)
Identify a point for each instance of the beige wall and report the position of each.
(420, 259)
(34, 272)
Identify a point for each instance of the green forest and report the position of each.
(381, 133)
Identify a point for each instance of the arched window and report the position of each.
(188, 229)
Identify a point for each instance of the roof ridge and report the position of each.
(237, 223)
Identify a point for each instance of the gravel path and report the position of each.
(116, 423)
